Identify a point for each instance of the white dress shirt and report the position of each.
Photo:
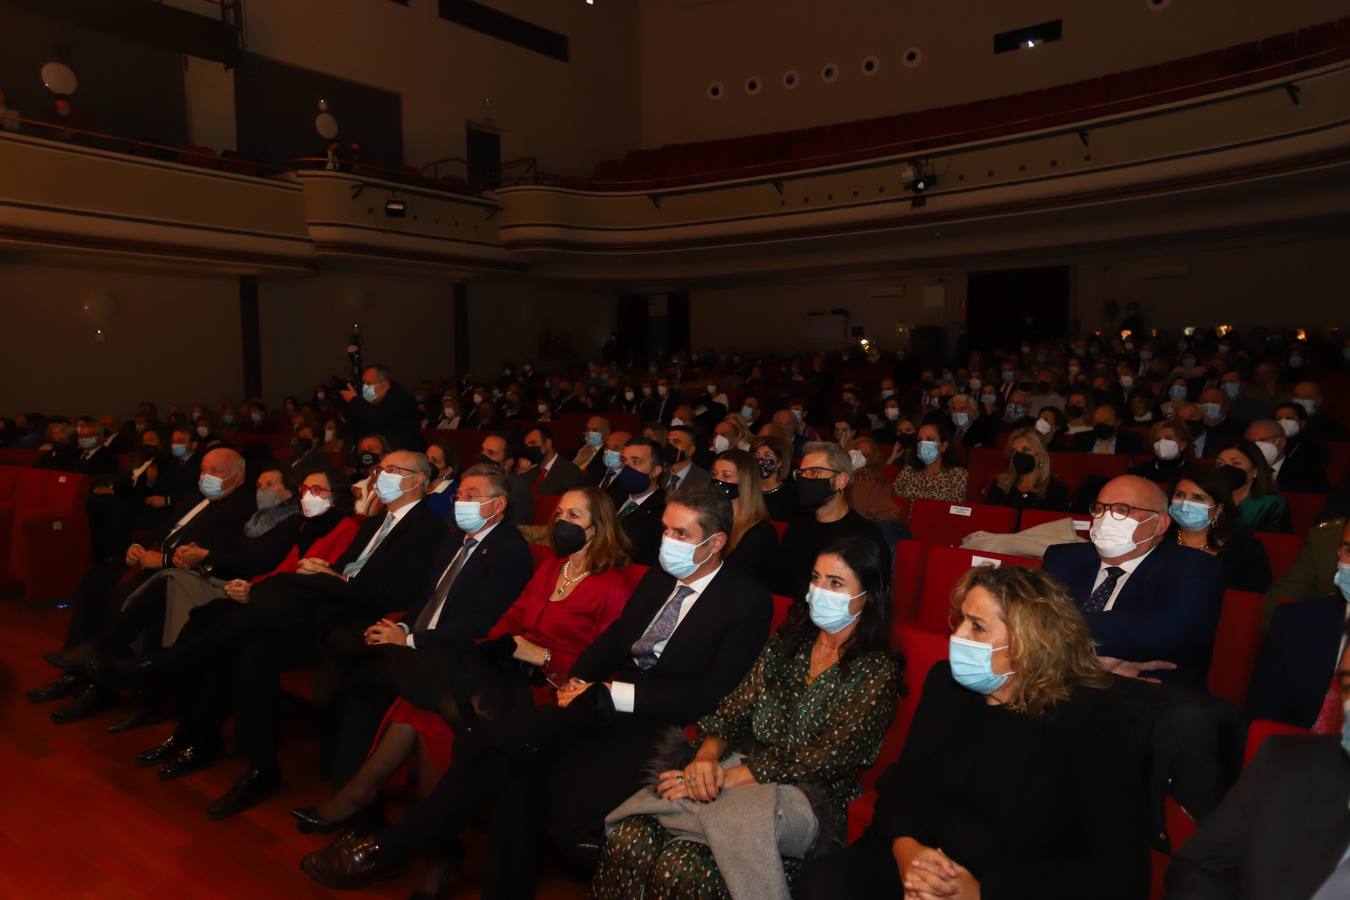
(436, 616)
(1129, 568)
(398, 515)
(622, 692)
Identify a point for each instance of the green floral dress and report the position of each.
(793, 732)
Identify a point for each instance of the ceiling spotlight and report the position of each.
(1029, 43)
(921, 183)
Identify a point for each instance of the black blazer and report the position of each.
(1168, 609)
(485, 588)
(393, 578)
(1297, 661)
(561, 478)
(755, 554)
(219, 524)
(644, 529)
(101, 462)
(1302, 470)
(1280, 831)
(396, 417)
(1128, 443)
(706, 657)
(61, 457)
(246, 557)
(1220, 436)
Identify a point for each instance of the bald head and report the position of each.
(228, 466)
(1148, 511)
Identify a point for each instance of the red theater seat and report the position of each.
(544, 506)
(1236, 644)
(1281, 549)
(1303, 509)
(781, 607)
(943, 569)
(940, 522)
(1261, 729)
(906, 577)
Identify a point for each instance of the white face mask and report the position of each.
(1290, 427)
(892, 413)
(1269, 451)
(1166, 449)
(856, 457)
(1114, 537)
(313, 506)
(721, 444)
(1043, 426)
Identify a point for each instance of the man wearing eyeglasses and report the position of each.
(1152, 604)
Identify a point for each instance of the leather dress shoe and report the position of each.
(119, 672)
(64, 686)
(165, 749)
(308, 821)
(255, 787)
(351, 866)
(189, 759)
(89, 702)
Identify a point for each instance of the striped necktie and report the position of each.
(354, 567)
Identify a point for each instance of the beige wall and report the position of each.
(687, 44)
(172, 338)
(567, 114)
(555, 325)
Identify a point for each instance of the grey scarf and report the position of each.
(264, 520)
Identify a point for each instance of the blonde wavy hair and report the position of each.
(1051, 648)
(1009, 476)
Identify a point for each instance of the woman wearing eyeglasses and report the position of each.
(1018, 776)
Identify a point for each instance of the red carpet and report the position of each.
(78, 818)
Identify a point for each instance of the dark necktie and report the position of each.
(644, 649)
(1097, 602)
(627, 509)
(443, 586)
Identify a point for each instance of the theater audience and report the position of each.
(366, 456)
(869, 491)
(548, 473)
(1258, 506)
(1106, 435)
(753, 542)
(1282, 831)
(502, 451)
(773, 458)
(1322, 427)
(1152, 605)
(1022, 691)
(384, 407)
(1027, 483)
(644, 501)
(686, 637)
(970, 428)
(1219, 430)
(1290, 471)
(1299, 654)
(589, 459)
(1204, 518)
(931, 469)
(1078, 411)
(440, 496)
(681, 470)
(812, 711)
(1170, 441)
(821, 484)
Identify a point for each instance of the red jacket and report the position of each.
(329, 547)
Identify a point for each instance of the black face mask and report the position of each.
(534, 454)
(813, 493)
(1103, 432)
(1235, 477)
(672, 454)
(303, 444)
(731, 490)
(1023, 463)
(1074, 412)
(485, 460)
(907, 439)
(568, 538)
(631, 481)
(1024, 386)
(767, 467)
(366, 459)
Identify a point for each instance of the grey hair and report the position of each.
(495, 478)
(835, 455)
(423, 466)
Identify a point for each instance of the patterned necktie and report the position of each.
(352, 568)
(627, 508)
(443, 586)
(1097, 602)
(1331, 716)
(644, 649)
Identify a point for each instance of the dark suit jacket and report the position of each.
(756, 554)
(706, 657)
(519, 501)
(61, 457)
(393, 578)
(658, 409)
(101, 462)
(1128, 443)
(1302, 470)
(221, 523)
(1221, 436)
(644, 529)
(1280, 831)
(1297, 660)
(485, 588)
(1168, 609)
(561, 478)
(396, 417)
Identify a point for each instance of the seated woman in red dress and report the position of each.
(573, 597)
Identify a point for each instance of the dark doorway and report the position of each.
(1013, 305)
(484, 154)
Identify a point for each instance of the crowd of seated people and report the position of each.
(540, 685)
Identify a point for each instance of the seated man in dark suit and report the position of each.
(1152, 605)
(612, 457)
(480, 570)
(502, 451)
(383, 571)
(1217, 430)
(687, 636)
(546, 472)
(1298, 658)
(1106, 436)
(1294, 469)
(95, 458)
(1283, 830)
(639, 499)
(213, 521)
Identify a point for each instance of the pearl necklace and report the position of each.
(1205, 546)
(567, 582)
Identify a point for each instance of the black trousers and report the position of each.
(140, 618)
(863, 869)
(98, 599)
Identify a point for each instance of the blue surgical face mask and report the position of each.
(1345, 728)
(928, 452)
(389, 487)
(747, 413)
(88, 443)
(677, 557)
(972, 665)
(1191, 515)
(1342, 579)
(1211, 411)
(469, 515)
(1177, 392)
(829, 609)
(1231, 388)
(1008, 375)
(960, 419)
(595, 439)
(211, 486)
(612, 460)
(179, 451)
(368, 393)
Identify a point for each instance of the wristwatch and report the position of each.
(548, 658)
